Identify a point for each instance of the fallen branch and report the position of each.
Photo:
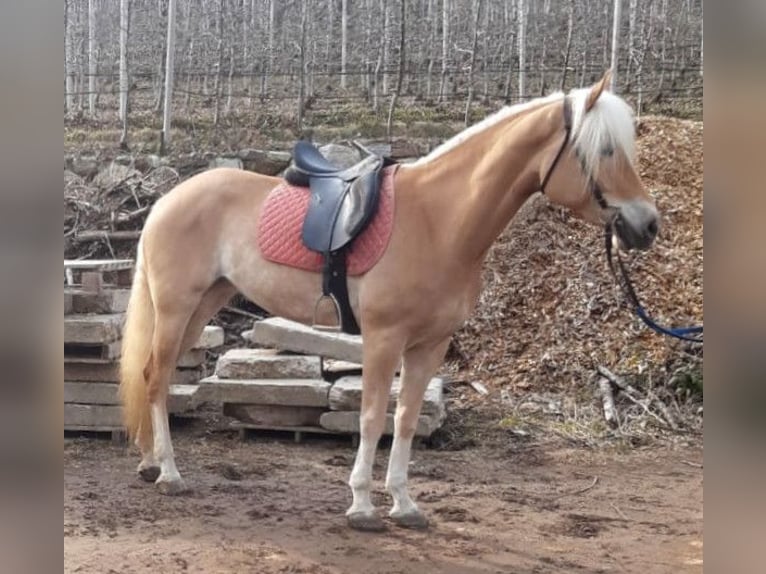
(132, 216)
(586, 489)
(666, 413)
(95, 235)
(632, 394)
(241, 312)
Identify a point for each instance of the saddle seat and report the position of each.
(342, 200)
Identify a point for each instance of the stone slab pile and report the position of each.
(303, 380)
(94, 316)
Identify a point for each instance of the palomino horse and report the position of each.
(197, 250)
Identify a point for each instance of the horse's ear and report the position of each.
(595, 91)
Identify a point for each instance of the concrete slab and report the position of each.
(267, 364)
(291, 336)
(348, 422)
(212, 337)
(346, 395)
(108, 300)
(181, 398)
(83, 416)
(286, 392)
(192, 358)
(274, 415)
(93, 329)
(91, 393)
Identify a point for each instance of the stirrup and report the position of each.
(336, 308)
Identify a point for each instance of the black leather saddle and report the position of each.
(343, 202)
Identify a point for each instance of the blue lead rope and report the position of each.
(679, 332)
(682, 333)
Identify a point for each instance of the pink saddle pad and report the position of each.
(281, 222)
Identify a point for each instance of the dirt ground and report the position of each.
(267, 505)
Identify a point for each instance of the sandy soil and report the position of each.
(270, 506)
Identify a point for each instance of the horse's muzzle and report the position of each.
(636, 225)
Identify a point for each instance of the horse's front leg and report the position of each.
(420, 364)
(382, 353)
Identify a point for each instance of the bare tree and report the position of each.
(124, 82)
(568, 49)
(400, 75)
(474, 47)
(302, 55)
(92, 64)
(167, 107)
(343, 42)
(445, 47)
(522, 34)
(615, 43)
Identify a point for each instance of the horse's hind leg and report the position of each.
(420, 364)
(214, 298)
(168, 331)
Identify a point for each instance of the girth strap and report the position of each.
(335, 286)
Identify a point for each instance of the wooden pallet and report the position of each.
(248, 431)
(92, 274)
(82, 352)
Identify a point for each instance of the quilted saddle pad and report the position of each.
(281, 222)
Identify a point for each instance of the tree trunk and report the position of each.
(171, 42)
(474, 47)
(92, 68)
(522, 19)
(568, 49)
(509, 4)
(343, 42)
(386, 4)
(400, 77)
(69, 100)
(302, 86)
(429, 50)
(219, 67)
(266, 68)
(124, 80)
(230, 81)
(615, 43)
(445, 47)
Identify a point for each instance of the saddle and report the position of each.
(343, 201)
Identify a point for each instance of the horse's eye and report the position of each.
(608, 151)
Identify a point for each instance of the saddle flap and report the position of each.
(326, 197)
(357, 209)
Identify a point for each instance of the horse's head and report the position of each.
(595, 175)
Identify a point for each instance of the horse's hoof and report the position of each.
(171, 487)
(366, 521)
(149, 473)
(414, 519)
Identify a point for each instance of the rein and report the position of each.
(683, 333)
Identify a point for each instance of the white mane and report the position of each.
(609, 124)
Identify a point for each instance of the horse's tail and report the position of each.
(136, 350)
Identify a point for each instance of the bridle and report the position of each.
(683, 333)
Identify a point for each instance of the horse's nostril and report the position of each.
(652, 228)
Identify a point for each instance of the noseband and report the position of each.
(683, 333)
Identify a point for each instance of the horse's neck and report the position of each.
(473, 191)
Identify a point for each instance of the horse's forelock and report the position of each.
(609, 124)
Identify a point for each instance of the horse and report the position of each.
(196, 251)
